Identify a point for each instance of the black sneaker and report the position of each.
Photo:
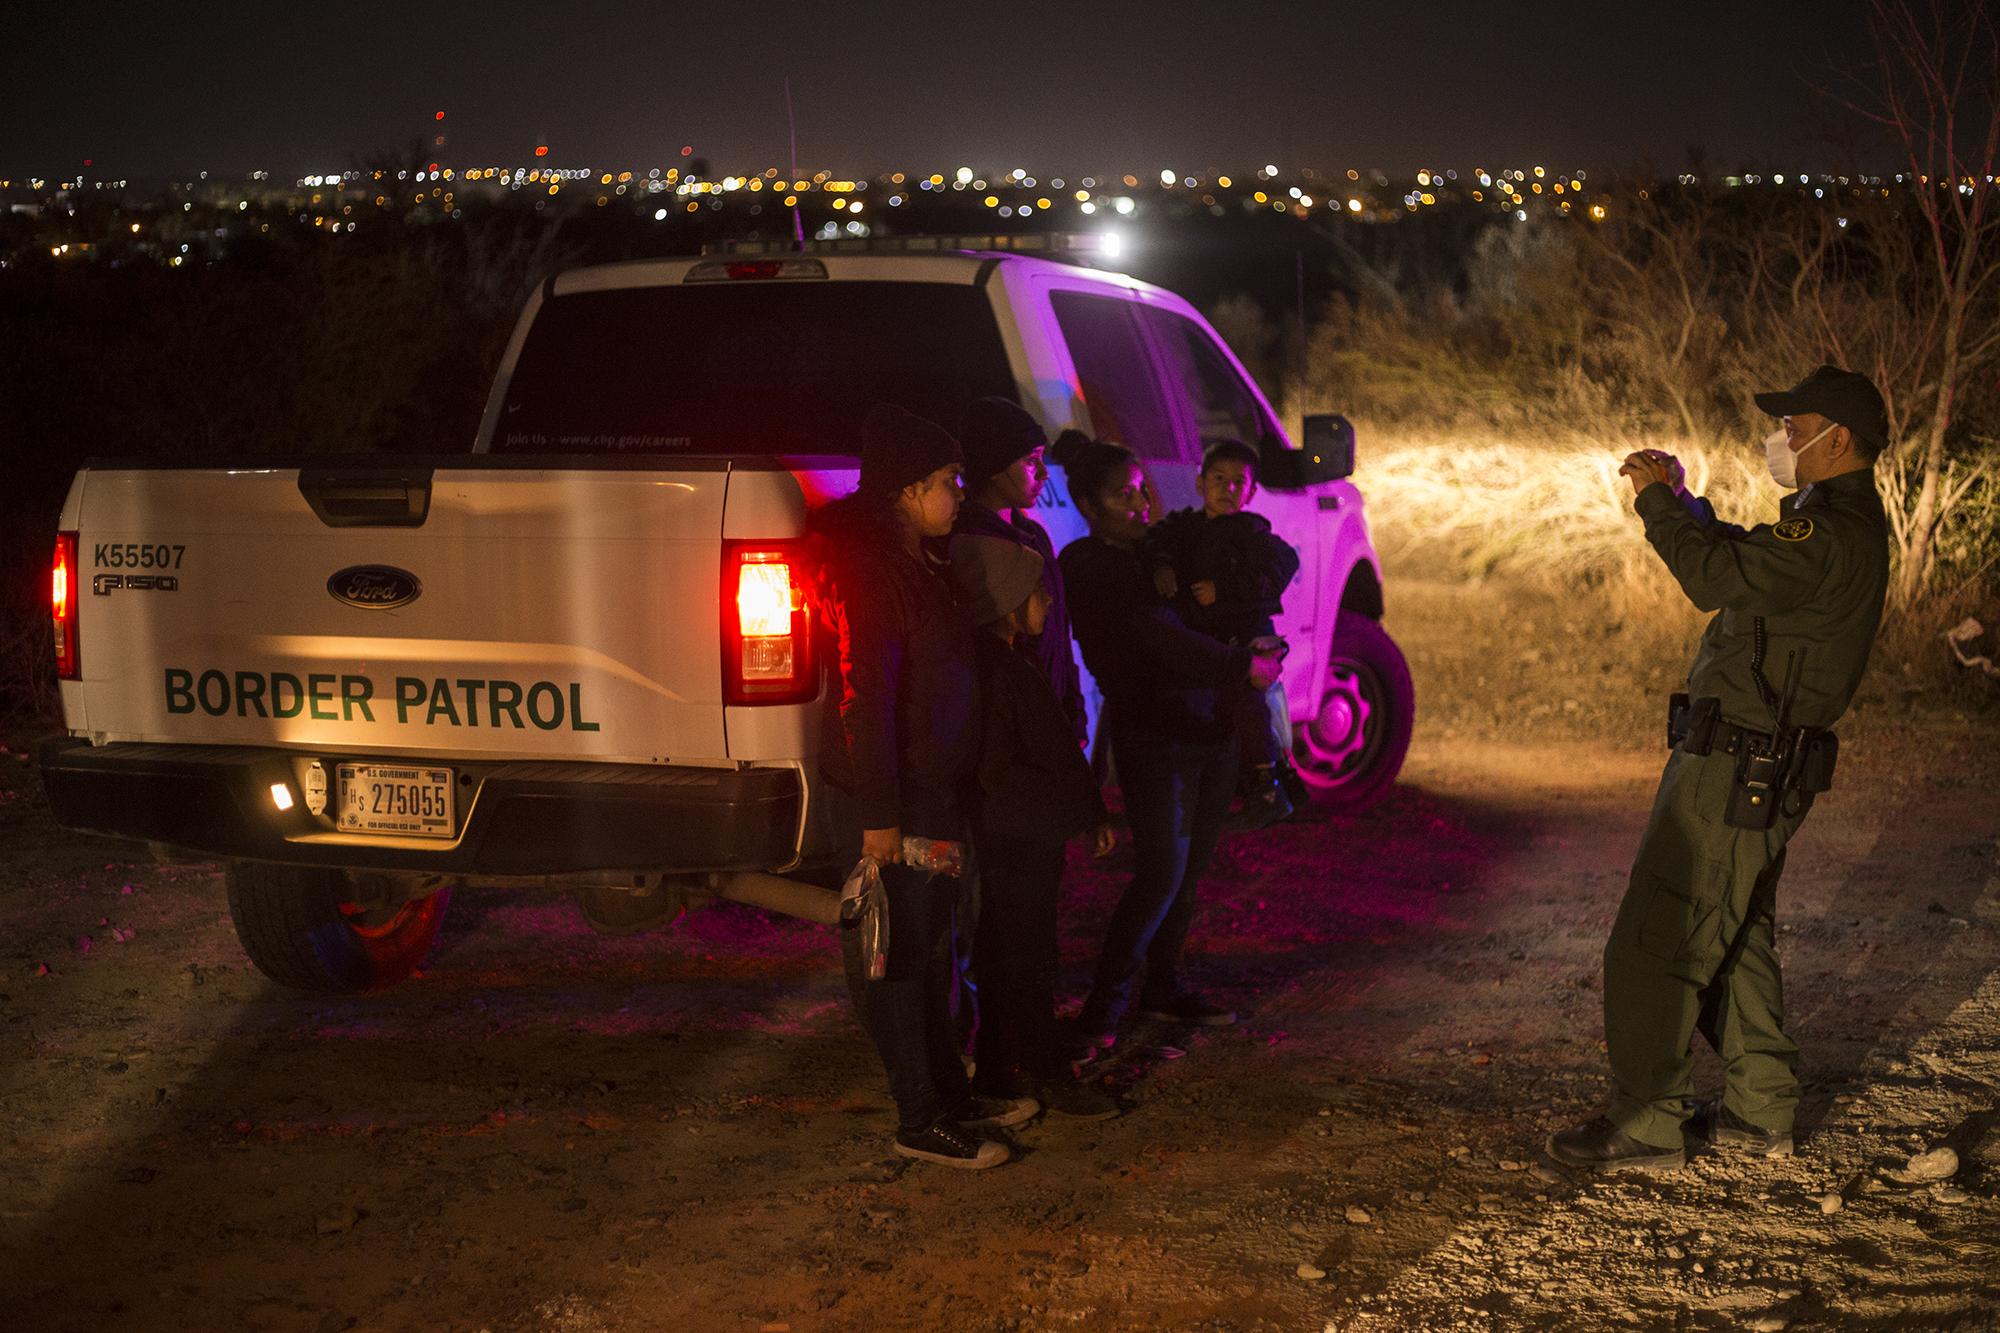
(1265, 806)
(978, 1112)
(949, 1144)
(1187, 1010)
(1294, 785)
(1600, 1145)
(1073, 1099)
(1723, 1128)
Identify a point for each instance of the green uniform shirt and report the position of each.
(1817, 577)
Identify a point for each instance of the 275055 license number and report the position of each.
(388, 798)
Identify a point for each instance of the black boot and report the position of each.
(1601, 1146)
(1724, 1129)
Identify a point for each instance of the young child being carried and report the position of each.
(1226, 572)
(1032, 793)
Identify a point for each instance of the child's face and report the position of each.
(1226, 486)
(1034, 613)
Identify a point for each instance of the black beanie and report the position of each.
(899, 448)
(995, 432)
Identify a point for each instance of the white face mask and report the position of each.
(1784, 459)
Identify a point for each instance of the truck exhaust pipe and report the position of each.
(774, 893)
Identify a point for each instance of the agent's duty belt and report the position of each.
(1696, 725)
(1796, 763)
(1724, 736)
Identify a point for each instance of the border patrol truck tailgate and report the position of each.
(532, 611)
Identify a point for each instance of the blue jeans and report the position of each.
(1177, 796)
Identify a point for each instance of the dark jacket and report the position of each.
(1053, 647)
(900, 733)
(1156, 673)
(1033, 781)
(1816, 580)
(1250, 565)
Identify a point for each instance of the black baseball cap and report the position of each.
(1844, 397)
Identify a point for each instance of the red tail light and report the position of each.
(766, 627)
(62, 601)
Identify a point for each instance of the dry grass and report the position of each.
(1554, 512)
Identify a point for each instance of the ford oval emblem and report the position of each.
(378, 587)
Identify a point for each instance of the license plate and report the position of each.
(388, 798)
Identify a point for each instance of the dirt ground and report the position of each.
(685, 1129)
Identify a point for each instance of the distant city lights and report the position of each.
(194, 219)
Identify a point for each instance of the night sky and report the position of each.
(295, 88)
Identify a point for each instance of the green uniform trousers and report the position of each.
(1692, 950)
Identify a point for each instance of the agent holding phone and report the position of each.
(1797, 603)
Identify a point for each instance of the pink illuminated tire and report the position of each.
(1353, 748)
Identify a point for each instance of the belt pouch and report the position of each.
(1753, 796)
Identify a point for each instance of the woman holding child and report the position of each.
(1169, 696)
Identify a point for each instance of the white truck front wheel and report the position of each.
(1352, 750)
(304, 928)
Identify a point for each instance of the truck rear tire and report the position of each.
(303, 928)
(1352, 750)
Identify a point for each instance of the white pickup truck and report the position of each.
(578, 657)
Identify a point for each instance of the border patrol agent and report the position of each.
(1797, 604)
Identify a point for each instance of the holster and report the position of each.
(1814, 755)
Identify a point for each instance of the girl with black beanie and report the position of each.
(899, 742)
(1167, 711)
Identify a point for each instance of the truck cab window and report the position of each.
(1116, 375)
(1218, 404)
(752, 368)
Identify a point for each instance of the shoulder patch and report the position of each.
(1793, 530)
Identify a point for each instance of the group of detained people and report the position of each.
(956, 720)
